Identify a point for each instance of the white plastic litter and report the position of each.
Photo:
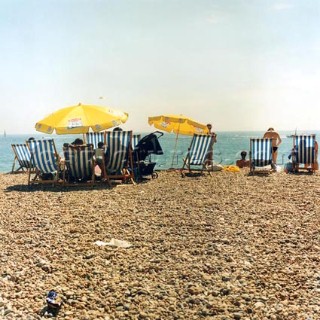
(215, 167)
(114, 243)
(100, 243)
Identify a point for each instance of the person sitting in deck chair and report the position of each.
(99, 155)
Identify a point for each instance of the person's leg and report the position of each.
(274, 154)
(316, 164)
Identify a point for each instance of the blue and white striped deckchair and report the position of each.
(305, 153)
(200, 147)
(135, 140)
(79, 164)
(22, 156)
(118, 157)
(94, 138)
(261, 155)
(45, 159)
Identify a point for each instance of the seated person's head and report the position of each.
(243, 155)
(100, 145)
(78, 142)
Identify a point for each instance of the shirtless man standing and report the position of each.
(276, 140)
(214, 140)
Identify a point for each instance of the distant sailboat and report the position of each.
(4, 134)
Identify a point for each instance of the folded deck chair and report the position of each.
(118, 156)
(45, 160)
(22, 156)
(197, 155)
(305, 153)
(79, 165)
(94, 138)
(261, 155)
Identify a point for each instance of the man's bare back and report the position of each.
(271, 134)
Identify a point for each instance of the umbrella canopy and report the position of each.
(178, 124)
(80, 119)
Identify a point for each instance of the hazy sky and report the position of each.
(240, 64)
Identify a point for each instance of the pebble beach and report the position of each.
(226, 246)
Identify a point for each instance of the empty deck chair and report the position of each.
(118, 156)
(45, 160)
(305, 152)
(201, 146)
(79, 165)
(261, 155)
(94, 138)
(22, 156)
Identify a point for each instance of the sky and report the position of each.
(238, 64)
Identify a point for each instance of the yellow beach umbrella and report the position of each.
(178, 124)
(81, 119)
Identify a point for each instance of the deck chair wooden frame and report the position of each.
(200, 148)
(46, 161)
(118, 156)
(22, 156)
(79, 165)
(261, 156)
(304, 153)
(135, 139)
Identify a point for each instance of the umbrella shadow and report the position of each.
(50, 188)
(193, 174)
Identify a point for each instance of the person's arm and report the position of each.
(279, 140)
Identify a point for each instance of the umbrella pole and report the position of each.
(175, 148)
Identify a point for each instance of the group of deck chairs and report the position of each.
(40, 159)
(261, 152)
(303, 154)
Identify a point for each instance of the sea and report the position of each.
(226, 151)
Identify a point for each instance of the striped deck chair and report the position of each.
(135, 140)
(118, 156)
(79, 165)
(305, 153)
(261, 155)
(22, 156)
(197, 155)
(45, 160)
(94, 138)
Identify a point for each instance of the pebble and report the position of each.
(230, 246)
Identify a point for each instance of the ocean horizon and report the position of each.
(226, 151)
